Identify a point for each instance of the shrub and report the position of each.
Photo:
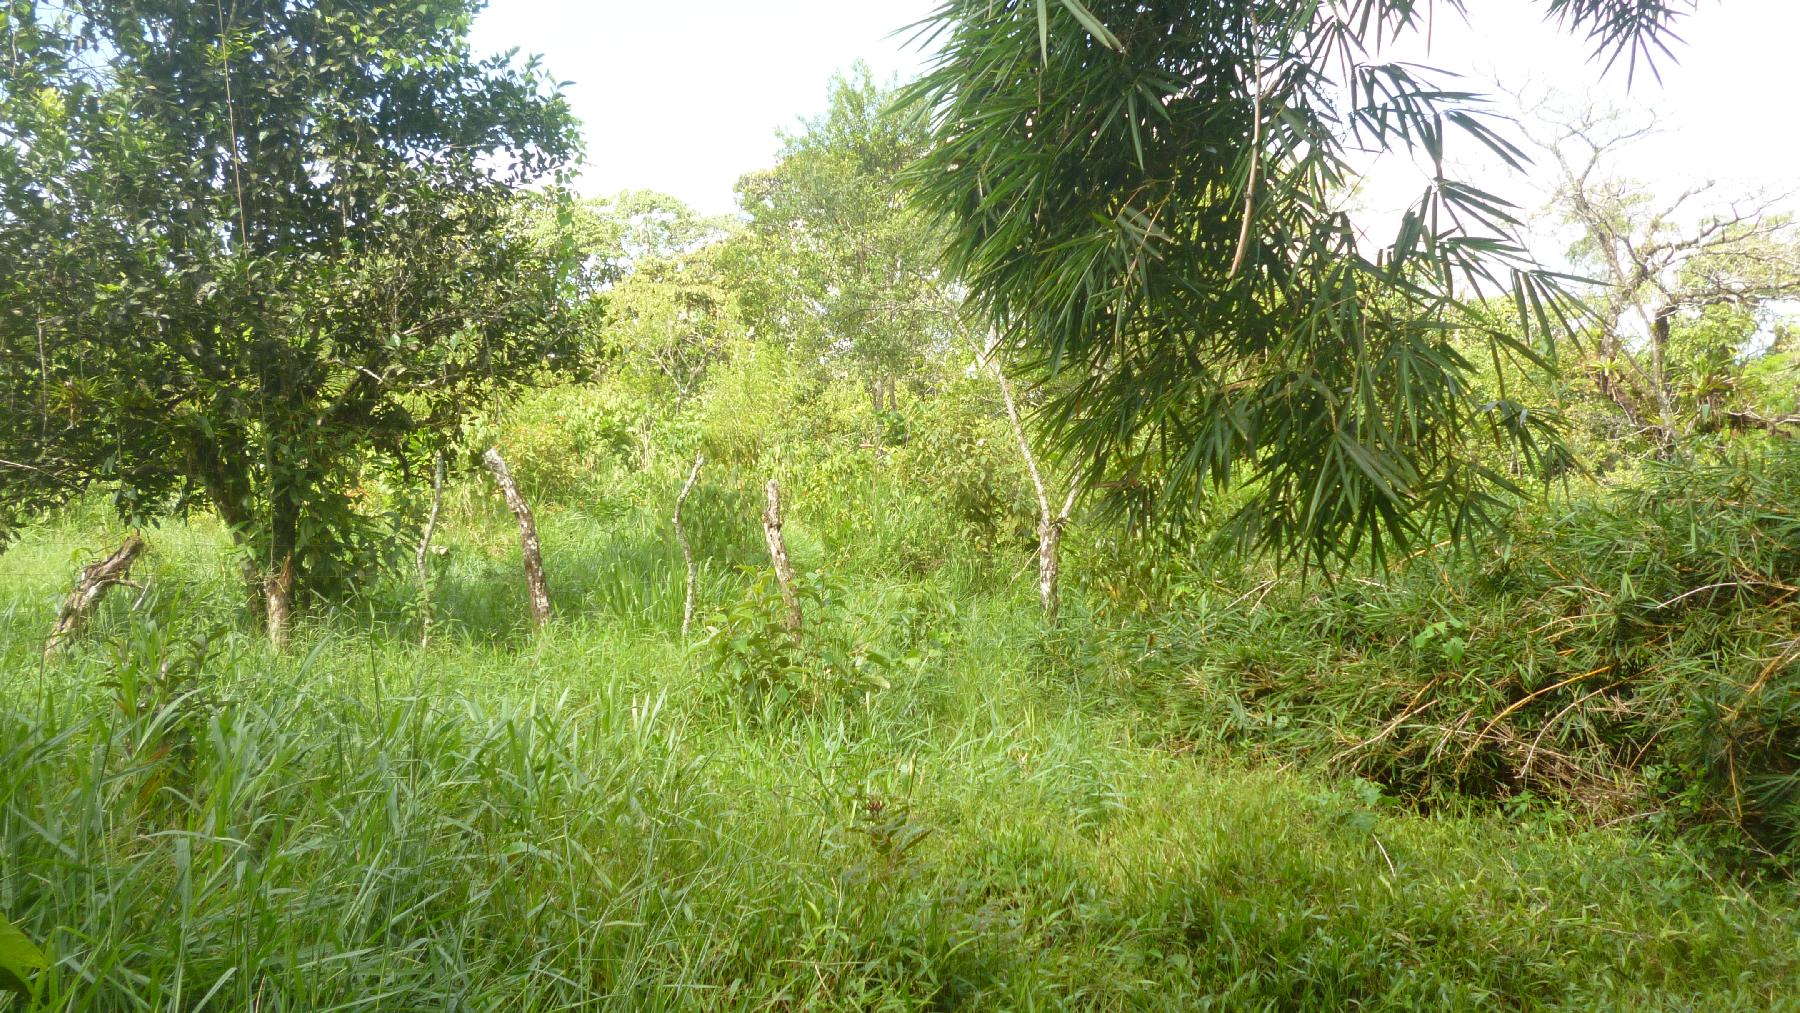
(1634, 653)
(772, 672)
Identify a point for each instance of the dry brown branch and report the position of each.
(1521, 702)
(90, 587)
(528, 537)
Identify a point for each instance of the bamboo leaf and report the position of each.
(1091, 23)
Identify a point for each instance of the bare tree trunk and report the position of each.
(283, 574)
(1050, 525)
(423, 559)
(687, 552)
(528, 537)
(90, 587)
(645, 447)
(278, 594)
(784, 569)
(1050, 535)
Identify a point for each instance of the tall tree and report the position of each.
(250, 249)
(835, 262)
(1150, 196)
(1688, 282)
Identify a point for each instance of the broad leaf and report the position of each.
(19, 959)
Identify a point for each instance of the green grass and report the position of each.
(588, 819)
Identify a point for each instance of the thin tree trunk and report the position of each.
(283, 575)
(278, 595)
(687, 551)
(784, 569)
(1050, 536)
(90, 587)
(224, 486)
(1050, 525)
(528, 537)
(423, 558)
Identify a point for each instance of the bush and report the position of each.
(772, 671)
(1634, 653)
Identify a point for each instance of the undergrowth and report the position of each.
(1633, 654)
(1552, 772)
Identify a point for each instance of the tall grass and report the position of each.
(592, 818)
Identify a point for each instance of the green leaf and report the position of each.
(19, 957)
(1088, 21)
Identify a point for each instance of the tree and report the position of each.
(668, 314)
(1688, 282)
(250, 251)
(659, 305)
(835, 262)
(1150, 197)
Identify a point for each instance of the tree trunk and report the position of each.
(1050, 535)
(278, 596)
(283, 577)
(423, 559)
(528, 537)
(645, 437)
(784, 569)
(225, 488)
(687, 551)
(1660, 329)
(1050, 525)
(90, 587)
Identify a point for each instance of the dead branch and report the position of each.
(1050, 525)
(90, 587)
(528, 537)
(778, 554)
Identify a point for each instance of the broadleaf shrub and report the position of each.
(773, 673)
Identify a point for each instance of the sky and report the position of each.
(687, 97)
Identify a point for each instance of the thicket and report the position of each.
(1628, 652)
(1626, 648)
(929, 801)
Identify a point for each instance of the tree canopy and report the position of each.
(1151, 198)
(835, 262)
(248, 251)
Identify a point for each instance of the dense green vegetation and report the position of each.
(602, 814)
(1193, 609)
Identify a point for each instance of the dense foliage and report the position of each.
(1151, 198)
(259, 263)
(248, 254)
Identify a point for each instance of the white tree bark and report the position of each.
(784, 569)
(528, 537)
(687, 551)
(1050, 524)
(278, 591)
(423, 559)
